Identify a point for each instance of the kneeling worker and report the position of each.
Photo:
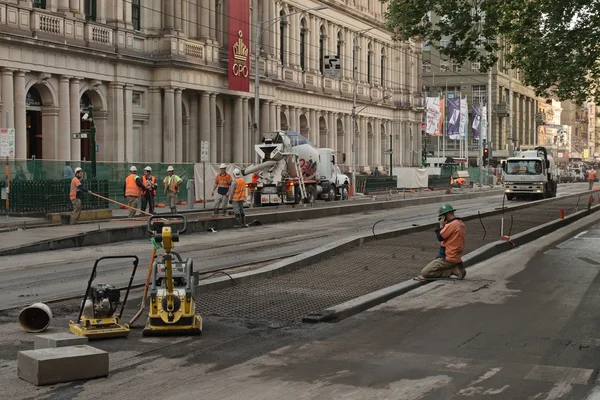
(451, 233)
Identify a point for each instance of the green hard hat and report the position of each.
(445, 209)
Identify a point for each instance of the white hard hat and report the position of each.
(78, 169)
(133, 169)
(237, 172)
(223, 166)
(148, 168)
(170, 168)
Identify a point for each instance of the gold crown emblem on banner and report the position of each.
(240, 50)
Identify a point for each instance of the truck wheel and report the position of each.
(345, 193)
(331, 193)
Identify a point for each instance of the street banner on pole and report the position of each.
(476, 125)
(239, 42)
(435, 116)
(454, 118)
(464, 118)
(484, 124)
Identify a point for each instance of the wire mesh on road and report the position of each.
(370, 267)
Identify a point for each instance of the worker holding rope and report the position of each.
(451, 232)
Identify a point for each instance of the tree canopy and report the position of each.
(555, 43)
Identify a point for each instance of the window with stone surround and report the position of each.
(137, 99)
(89, 9)
(136, 15)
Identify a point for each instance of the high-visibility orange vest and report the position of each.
(591, 175)
(240, 190)
(131, 187)
(75, 182)
(223, 181)
(152, 180)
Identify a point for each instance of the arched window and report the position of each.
(369, 61)
(322, 39)
(383, 62)
(302, 44)
(282, 24)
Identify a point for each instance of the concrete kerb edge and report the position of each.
(360, 304)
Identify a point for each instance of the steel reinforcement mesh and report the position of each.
(372, 266)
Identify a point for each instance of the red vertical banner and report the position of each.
(239, 45)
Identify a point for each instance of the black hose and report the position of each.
(373, 229)
(483, 226)
(511, 225)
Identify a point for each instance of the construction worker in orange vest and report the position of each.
(149, 182)
(76, 194)
(222, 183)
(237, 196)
(591, 178)
(133, 190)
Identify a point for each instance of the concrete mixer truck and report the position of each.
(292, 170)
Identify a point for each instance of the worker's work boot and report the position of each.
(238, 221)
(460, 271)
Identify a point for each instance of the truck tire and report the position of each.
(331, 193)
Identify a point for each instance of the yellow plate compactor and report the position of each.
(172, 304)
(98, 313)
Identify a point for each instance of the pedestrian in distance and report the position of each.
(591, 178)
(237, 196)
(67, 171)
(172, 183)
(149, 182)
(133, 190)
(451, 232)
(76, 194)
(223, 182)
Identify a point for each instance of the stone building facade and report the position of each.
(156, 74)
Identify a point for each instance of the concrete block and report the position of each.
(61, 364)
(58, 340)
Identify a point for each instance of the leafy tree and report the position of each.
(555, 43)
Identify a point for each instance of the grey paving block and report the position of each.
(61, 364)
(58, 340)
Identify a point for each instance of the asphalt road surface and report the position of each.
(522, 326)
(44, 276)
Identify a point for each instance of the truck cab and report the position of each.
(332, 183)
(530, 174)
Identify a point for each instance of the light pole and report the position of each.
(259, 32)
(354, 113)
(89, 116)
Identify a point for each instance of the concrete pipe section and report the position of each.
(35, 318)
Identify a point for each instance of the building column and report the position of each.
(273, 116)
(8, 106)
(185, 123)
(114, 149)
(75, 120)
(278, 122)
(377, 145)
(178, 126)
(365, 142)
(169, 155)
(246, 148)
(332, 133)
(238, 131)
(212, 18)
(178, 15)
(213, 128)
(348, 139)
(193, 137)
(128, 139)
(228, 135)
(156, 125)
(64, 120)
(74, 6)
(20, 116)
(264, 118)
(63, 5)
(312, 127)
(203, 17)
(169, 15)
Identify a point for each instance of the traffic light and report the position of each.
(486, 156)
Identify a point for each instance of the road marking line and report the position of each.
(551, 373)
